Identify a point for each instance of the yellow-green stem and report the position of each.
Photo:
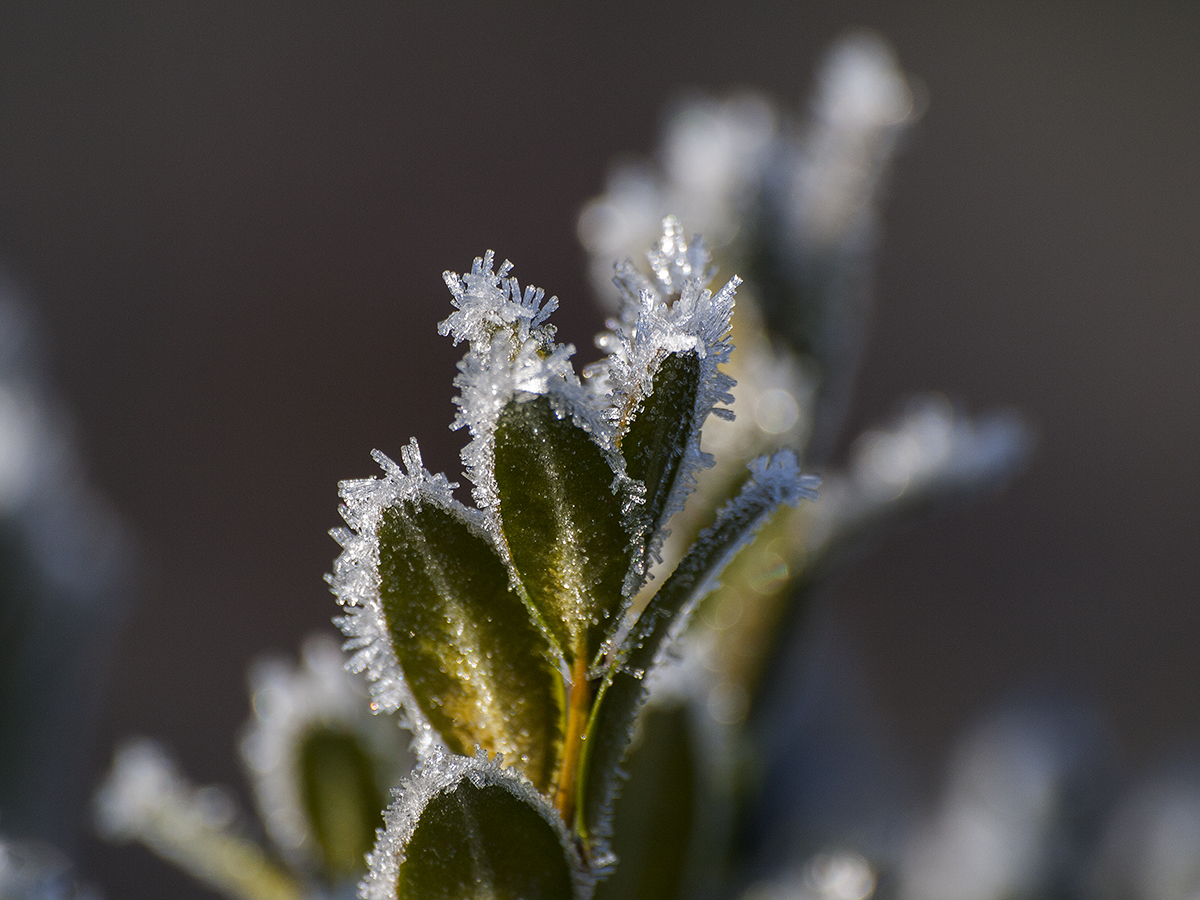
(578, 707)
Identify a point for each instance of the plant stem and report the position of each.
(578, 707)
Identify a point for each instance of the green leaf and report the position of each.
(469, 831)
(342, 798)
(654, 818)
(657, 439)
(563, 524)
(476, 663)
(622, 692)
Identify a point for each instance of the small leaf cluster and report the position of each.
(506, 634)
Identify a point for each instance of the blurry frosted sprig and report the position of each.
(1007, 823)
(315, 721)
(146, 799)
(73, 532)
(1150, 847)
(319, 763)
(31, 870)
(932, 452)
(829, 875)
(725, 163)
(63, 588)
(832, 173)
(713, 158)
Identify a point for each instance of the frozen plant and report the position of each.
(587, 656)
(505, 634)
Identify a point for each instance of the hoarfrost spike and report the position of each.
(512, 353)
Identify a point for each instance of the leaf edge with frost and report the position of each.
(774, 482)
(672, 314)
(443, 772)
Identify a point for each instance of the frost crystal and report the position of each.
(512, 354)
(355, 580)
(487, 302)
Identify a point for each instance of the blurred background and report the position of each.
(231, 222)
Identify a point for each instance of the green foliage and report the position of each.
(659, 434)
(562, 523)
(478, 667)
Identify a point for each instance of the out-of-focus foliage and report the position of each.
(63, 578)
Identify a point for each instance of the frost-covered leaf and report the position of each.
(661, 378)
(563, 523)
(478, 666)
(342, 798)
(772, 484)
(464, 829)
(655, 444)
(438, 627)
(512, 352)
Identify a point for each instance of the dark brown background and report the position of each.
(234, 219)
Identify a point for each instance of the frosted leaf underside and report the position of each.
(475, 661)
(474, 842)
(563, 524)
